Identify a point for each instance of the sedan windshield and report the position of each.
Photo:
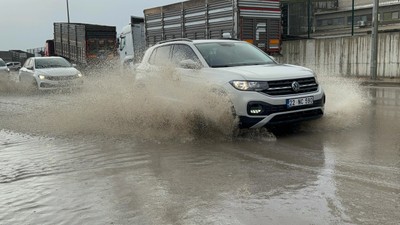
(2, 63)
(227, 54)
(44, 62)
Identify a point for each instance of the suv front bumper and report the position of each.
(274, 110)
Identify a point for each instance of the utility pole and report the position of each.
(374, 40)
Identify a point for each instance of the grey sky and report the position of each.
(26, 24)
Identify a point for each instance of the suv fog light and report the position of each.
(256, 109)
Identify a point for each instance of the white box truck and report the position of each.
(132, 41)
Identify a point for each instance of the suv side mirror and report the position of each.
(189, 64)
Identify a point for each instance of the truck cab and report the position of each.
(132, 41)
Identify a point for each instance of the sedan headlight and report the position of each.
(249, 85)
(42, 77)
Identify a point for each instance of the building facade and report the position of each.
(335, 17)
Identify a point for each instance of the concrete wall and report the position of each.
(345, 56)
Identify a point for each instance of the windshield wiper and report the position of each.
(219, 66)
(253, 64)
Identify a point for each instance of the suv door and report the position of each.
(186, 62)
(184, 57)
(161, 56)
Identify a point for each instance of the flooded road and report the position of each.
(115, 157)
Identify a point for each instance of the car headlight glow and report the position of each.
(79, 75)
(244, 85)
(42, 77)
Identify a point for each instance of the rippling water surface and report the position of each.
(109, 155)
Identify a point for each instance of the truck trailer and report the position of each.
(84, 44)
(257, 22)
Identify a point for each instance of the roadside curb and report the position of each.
(381, 83)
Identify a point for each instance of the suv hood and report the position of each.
(270, 72)
(62, 71)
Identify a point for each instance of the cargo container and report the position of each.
(257, 22)
(85, 44)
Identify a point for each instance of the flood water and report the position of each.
(106, 154)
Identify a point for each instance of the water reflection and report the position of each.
(331, 171)
(384, 96)
(367, 172)
(63, 181)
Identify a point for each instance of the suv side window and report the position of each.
(160, 55)
(26, 64)
(31, 63)
(183, 52)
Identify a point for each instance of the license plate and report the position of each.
(299, 101)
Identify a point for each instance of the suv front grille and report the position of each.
(284, 87)
(58, 78)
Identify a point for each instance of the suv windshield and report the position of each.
(2, 63)
(227, 54)
(51, 63)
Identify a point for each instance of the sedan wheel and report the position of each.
(34, 86)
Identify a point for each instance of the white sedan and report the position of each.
(49, 73)
(3, 68)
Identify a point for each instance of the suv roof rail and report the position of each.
(175, 39)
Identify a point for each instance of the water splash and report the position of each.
(345, 102)
(110, 104)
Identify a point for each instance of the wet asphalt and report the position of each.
(84, 158)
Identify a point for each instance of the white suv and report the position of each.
(262, 91)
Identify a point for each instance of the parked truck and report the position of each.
(257, 22)
(83, 44)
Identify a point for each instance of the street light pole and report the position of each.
(374, 41)
(68, 11)
(352, 18)
(69, 43)
(309, 19)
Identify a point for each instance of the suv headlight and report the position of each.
(42, 77)
(244, 85)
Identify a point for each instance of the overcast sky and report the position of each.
(26, 24)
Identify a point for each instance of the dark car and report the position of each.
(14, 65)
